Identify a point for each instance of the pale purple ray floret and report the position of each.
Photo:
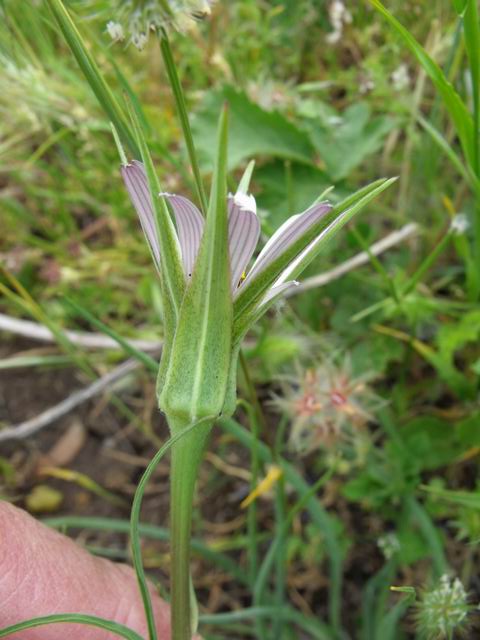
(243, 230)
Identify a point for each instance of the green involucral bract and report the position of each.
(199, 364)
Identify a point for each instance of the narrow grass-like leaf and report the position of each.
(464, 170)
(471, 30)
(73, 618)
(252, 293)
(92, 73)
(372, 592)
(313, 627)
(453, 103)
(269, 558)
(319, 515)
(151, 531)
(431, 535)
(19, 362)
(25, 301)
(459, 6)
(183, 116)
(143, 357)
(468, 499)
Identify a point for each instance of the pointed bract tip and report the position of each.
(120, 149)
(245, 179)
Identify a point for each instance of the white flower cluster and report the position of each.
(459, 224)
(444, 609)
(389, 545)
(339, 17)
(400, 77)
(135, 19)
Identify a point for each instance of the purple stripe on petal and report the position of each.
(287, 234)
(190, 224)
(135, 179)
(243, 233)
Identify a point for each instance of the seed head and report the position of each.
(138, 18)
(325, 404)
(444, 610)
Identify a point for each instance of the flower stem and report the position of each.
(186, 458)
(183, 115)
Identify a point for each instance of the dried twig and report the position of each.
(106, 382)
(357, 261)
(38, 332)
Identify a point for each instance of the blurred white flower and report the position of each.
(389, 545)
(366, 85)
(137, 18)
(400, 77)
(115, 31)
(339, 17)
(459, 224)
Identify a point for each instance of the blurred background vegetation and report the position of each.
(372, 379)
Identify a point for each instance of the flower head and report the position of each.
(140, 17)
(325, 404)
(459, 224)
(211, 297)
(444, 610)
(243, 232)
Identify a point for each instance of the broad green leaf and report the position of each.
(454, 336)
(252, 293)
(92, 73)
(253, 131)
(457, 109)
(196, 379)
(346, 139)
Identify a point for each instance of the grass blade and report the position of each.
(453, 103)
(74, 618)
(471, 29)
(92, 73)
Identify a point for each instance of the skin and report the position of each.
(43, 572)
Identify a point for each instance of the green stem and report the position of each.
(183, 115)
(186, 459)
(135, 519)
(92, 73)
(427, 264)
